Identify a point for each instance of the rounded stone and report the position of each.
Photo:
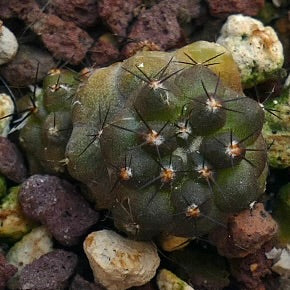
(119, 263)
(8, 44)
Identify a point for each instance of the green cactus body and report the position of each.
(45, 136)
(166, 141)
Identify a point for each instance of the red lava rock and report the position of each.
(26, 10)
(223, 8)
(79, 283)
(250, 270)
(55, 203)
(6, 11)
(63, 39)
(21, 71)
(246, 232)
(104, 51)
(11, 162)
(160, 26)
(83, 13)
(50, 272)
(117, 14)
(6, 271)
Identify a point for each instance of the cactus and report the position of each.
(167, 142)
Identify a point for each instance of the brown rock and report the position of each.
(6, 11)
(223, 8)
(83, 13)
(50, 272)
(55, 203)
(26, 10)
(250, 270)
(160, 27)
(11, 162)
(104, 51)
(117, 14)
(63, 39)
(246, 232)
(21, 71)
(6, 271)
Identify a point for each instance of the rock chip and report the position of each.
(31, 247)
(159, 25)
(8, 44)
(251, 270)
(26, 10)
(119, 263)
(11, 162)
(56, 204)
(21, 71)
(83, 13)
(6, 271)
(246, 232)
(281, 261)
(63, 39)
(255, 48)
(51, 271)
(223, 8)
(117, 14)
(158, 28)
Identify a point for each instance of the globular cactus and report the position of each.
(167, 142)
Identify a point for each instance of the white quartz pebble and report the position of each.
(119, 263)
(8, 44)
(255, 48)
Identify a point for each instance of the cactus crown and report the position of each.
(166, 141)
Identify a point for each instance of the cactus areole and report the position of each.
(167, 141)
